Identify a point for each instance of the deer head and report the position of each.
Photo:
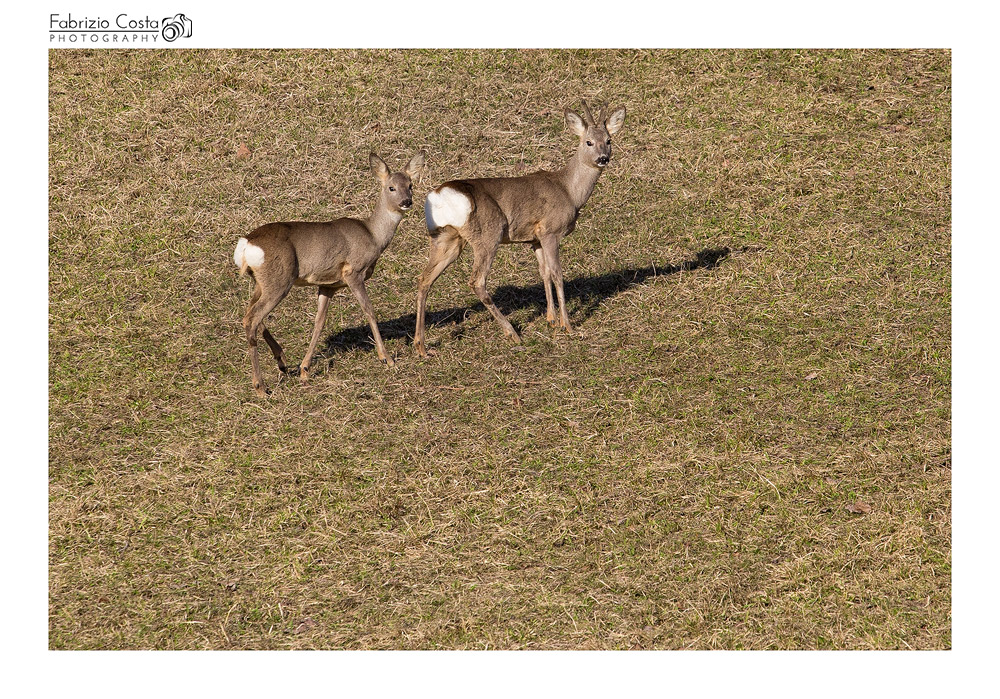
(397, 187)
(595, 134)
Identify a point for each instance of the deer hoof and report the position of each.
(388, 361)
(514, 338)
(304, 374)
(260, 390)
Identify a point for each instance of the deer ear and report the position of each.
(615, 121)
(575, 122)
(379, 167)
(415, 165)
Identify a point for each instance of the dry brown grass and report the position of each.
(674, 475)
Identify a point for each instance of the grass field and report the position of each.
(760, 289)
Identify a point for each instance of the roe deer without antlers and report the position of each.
(329, 255)
(538, 209)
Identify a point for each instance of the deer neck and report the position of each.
(579, 178)
(383, 221)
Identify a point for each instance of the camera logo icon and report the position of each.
(176, 27)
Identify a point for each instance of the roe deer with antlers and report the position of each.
(329, 255)
(538, 209)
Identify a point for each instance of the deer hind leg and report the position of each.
(322, 304)
(550, 250)
(356, 283)
(543, 272)
(279, 354)
(276, 350)
(484, 255)
(445, 249)
(264, 299)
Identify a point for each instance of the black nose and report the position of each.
(408, 202)
(603, 160)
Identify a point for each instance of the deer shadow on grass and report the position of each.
(584, 295)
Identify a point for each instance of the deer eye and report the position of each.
(392, 189)
(590, 143)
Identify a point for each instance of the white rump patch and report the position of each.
(249, 253)
(447, 207)
(238, 255)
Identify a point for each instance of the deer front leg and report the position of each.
(356, 283)
(550, 248)
(322, 303)
(543, 272)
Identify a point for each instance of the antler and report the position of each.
(586, 110)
